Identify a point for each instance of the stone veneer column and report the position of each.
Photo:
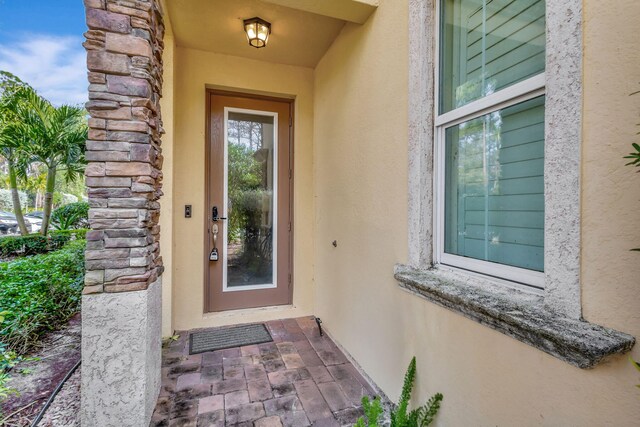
(121, 307)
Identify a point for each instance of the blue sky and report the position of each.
(41, 42)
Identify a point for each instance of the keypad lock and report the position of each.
(213, 256)
(214, 215)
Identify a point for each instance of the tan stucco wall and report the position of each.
(195, 71)
(360, 182)
(610, 192)
(360, 156)
(166, 202)
(351, 186)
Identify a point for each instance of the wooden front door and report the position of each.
(248, 261)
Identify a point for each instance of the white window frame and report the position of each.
(563, 145)
(519, 92)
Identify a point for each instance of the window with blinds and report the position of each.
(490, 134)
(488, 45)
(494, 205)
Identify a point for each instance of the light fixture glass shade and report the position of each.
(257, 31)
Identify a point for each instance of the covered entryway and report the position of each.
(195, 135)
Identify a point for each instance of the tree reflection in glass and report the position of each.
(250, 201)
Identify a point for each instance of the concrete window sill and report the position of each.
(519, 315)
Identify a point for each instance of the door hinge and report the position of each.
(289, 173)
(290, 121)
(289, 279)
(289, 226)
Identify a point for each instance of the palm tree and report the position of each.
(11, 89)
(53, 136)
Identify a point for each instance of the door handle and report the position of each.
(213, 256)
(214, 215)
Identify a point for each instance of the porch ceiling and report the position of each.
(298, 37)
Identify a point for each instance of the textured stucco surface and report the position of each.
(121, 350)
(520, 316)
(421, 115)
(153, 348)
(610, 190)
(563, 131)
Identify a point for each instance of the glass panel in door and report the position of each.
(250, 200)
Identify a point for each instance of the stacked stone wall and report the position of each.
(124, 172)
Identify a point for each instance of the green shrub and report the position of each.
(59, 238)
(71, 216)
(39, 294)
(77, 234)
(11, 245)
(420, 417)
(31, 244)
(34, 244)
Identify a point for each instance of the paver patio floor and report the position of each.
(299, 379)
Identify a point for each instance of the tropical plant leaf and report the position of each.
(422, 416)
(430, 409)
(373, 410)
(400, 418)
(635, 159)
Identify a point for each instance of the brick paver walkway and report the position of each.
(298, 380)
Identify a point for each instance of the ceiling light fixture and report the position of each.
(258, 31)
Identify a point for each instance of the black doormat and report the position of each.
(236, 336)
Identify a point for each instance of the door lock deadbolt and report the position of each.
(214, 214)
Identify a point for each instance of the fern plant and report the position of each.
(400, 416)
(372, 412)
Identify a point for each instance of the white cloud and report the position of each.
(55, 66)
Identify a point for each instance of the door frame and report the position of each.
(207, 187)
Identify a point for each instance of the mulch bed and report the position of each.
(57, 354)
(65, 408)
